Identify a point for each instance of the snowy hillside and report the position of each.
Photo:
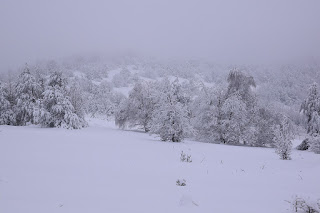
(104, 169)
(159, 106)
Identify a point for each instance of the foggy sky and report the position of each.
(227, 31)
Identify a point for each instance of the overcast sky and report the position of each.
(238, 30)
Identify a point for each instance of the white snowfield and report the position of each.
(101, 169)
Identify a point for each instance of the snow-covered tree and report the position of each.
(239, 111)
(311, 109)
(282, 137)
(266, 119)
(241, 84)
(234, 120)
(138, 108)
(7, 116)
(171, 122)
(103, 101)
(56, 110)
(10, 89)
(122, 79)
(207, 114)
(233, 116)
(40, 77)
(77, 100)
(57, 79)
(170, 119)
(179, 94)
(27, 91)
(122, 114)
(99, 103)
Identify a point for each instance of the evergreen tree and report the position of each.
(27, 91)
(56, 109)
(282, 137)
(7, 116)
(10, 89)
(311, 109)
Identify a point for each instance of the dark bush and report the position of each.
(304, 145)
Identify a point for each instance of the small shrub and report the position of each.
(181, 182)
(315, 144)
(283, 143)
(305, 205)
(185, 158)
(304, 145)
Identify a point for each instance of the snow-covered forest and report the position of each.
(159, 106)
(274, 107)
(214, 103)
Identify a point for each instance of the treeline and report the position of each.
(228, 115)
(230, 112)
(50, 97)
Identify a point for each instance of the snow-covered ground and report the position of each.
(104, 169)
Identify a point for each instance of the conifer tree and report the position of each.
(56, 109)
(27, 90)
(282, 137)
(7, 116)
(311, 109)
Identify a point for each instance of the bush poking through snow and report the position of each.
(304, 145)
(302, 205)
(185, 158)
(181, 182)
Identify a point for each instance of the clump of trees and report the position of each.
(229, 112)
(48, 102)
(101, 100)
(222, 114)
(56, 108)
(159, 108)
(232, 115)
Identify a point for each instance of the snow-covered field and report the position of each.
(104, 169)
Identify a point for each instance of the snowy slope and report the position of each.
(104, 169)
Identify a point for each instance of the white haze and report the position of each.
(247, 31)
